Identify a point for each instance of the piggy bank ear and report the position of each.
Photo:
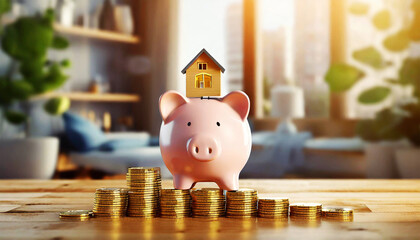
(170, 101)
(239, 101)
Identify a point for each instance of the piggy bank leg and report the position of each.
(183, 182)
(229, 182)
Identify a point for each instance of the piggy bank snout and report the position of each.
(203, 148)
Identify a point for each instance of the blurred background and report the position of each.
(334, 84)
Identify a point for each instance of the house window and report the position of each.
(202, 66)
(203, 80)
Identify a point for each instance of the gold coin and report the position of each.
(110, 206)
(105, 198)
(270, 211)
(144, 174)
(212, 189)
(237, 200)
(241, 205)
(241, 208)
(76, 213)
(241, 216)
(336, 210)
(273, 200)
(176, 200)
(240, 213)
(175, 191)
(175, 209)
(241, 196)
(208, 207)
(273, 207)
(144, 181)
(110, 202)
(112, 190)
(109, 196)
(143, 169)
(306, 205)
(206, 191)
(243, 190)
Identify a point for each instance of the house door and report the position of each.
(203, 80)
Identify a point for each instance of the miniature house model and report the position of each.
(203, 75)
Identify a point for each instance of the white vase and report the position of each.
(380, 159)
(124, 19)
(408, 162)
(66, 13)
(33, 158)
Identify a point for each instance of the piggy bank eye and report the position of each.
(218, 124)
(189, 124)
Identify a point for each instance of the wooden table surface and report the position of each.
(383, 209)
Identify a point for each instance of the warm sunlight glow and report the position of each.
(276, 13)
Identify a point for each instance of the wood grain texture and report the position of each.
(97, 34)
(92, 97)
(383, 209)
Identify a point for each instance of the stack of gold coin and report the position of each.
(241, 203)
(76, 214)
(175, 203)
(208, 202)
(308, 211)
(273, 207)
(110, 202)
(143, 197)
(337, 214)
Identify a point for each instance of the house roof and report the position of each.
(198, 55)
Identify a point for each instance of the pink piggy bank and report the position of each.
(205, 140)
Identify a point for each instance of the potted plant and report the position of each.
(26, 42)
(400, 121)
(408, 159)
(383, 133)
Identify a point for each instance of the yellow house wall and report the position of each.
(212, 69)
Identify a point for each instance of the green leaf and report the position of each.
(409, 73)
(57, 106)
(366, 129)
(341, 77)
(4, 6)
(374, 95)
(5, 97)
(54, 79)
(21, 89)
(60, 43)
(382, 20)
(48, 17)
(65, 63)
(411, 124)
(26, 39)
(397, 42)
(33, 69)
(369, 56)
(385, 126)
(359, 8)
(14, 117)
(388, 122)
